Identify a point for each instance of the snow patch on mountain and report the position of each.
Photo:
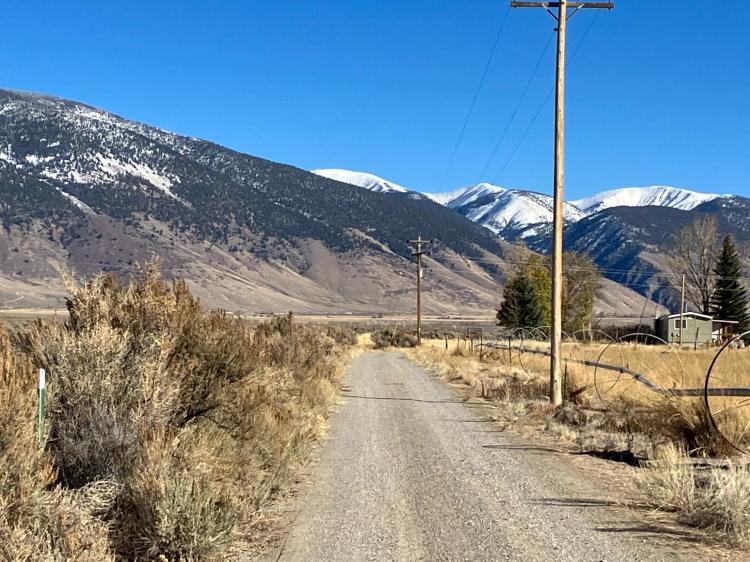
(465, 195)
(500, 209)
(77, 202)
(657, 195)
(361, 179)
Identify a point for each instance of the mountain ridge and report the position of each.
(85, 190)
(519, 213)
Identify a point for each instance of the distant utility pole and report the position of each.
(419, 253)
(561, 16)
(682, 306)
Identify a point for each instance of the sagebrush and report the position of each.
(169, 427)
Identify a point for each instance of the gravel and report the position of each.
(410, 472)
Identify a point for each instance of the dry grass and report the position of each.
(169, 428)
(624, 416)
(717, 499)
(630, 406)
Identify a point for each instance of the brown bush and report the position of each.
(392, 338)
(40, 521)
(189, 419)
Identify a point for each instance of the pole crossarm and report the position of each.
(576, 5)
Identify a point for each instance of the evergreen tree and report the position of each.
(730, 300)
(521, 307)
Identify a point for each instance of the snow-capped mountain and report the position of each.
(507, 212)
(657, 195)
(518, 213)
(361, 179)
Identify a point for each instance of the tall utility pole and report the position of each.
(561, 16)
(418, 252)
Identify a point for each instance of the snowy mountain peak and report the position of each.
(465, 195)
(361, 179)
(657, 195)
(503, 210)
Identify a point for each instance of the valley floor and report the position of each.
(411, 472)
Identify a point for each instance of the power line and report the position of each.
(547, 98)
(601, 269)
(474, 100)
(515, 110)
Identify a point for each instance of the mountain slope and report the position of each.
(84, 189)
(630, 243)
(361, 179)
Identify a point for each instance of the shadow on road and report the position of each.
(627, 457)
(573, 502)
(532, 448)
(402, 399)
(651, 529)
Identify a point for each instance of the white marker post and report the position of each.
(42, 404)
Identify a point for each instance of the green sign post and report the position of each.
(42, 405)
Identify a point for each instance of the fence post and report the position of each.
(695, 345)
(42, 405)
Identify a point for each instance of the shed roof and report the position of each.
(694, 314)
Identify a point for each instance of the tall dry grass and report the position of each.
(717, 499)
(170, 427)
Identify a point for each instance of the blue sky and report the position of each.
(657, 94)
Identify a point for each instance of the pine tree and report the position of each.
(521, 307)
(730, 300)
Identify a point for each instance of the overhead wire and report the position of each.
(526, 132)
(601, 269)
(516, 108)
(475, 98)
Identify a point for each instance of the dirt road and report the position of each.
(412, 473)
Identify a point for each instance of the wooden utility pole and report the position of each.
(561, 16)
(418, 252)
(682, 306)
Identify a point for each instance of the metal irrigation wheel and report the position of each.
(637, 354)
(585, 345)
(729, 410)
(534, 336)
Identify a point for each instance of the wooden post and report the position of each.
(559, 182)
(682, 306)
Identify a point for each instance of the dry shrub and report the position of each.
(190, 419)
(341, 335)
(392, 338)
(716, 499)
(39, 521)
(682, 421)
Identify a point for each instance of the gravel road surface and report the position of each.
(410, 472)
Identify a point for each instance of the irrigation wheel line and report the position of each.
(709, 391)
(608, 390)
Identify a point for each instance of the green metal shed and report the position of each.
(696, 328)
